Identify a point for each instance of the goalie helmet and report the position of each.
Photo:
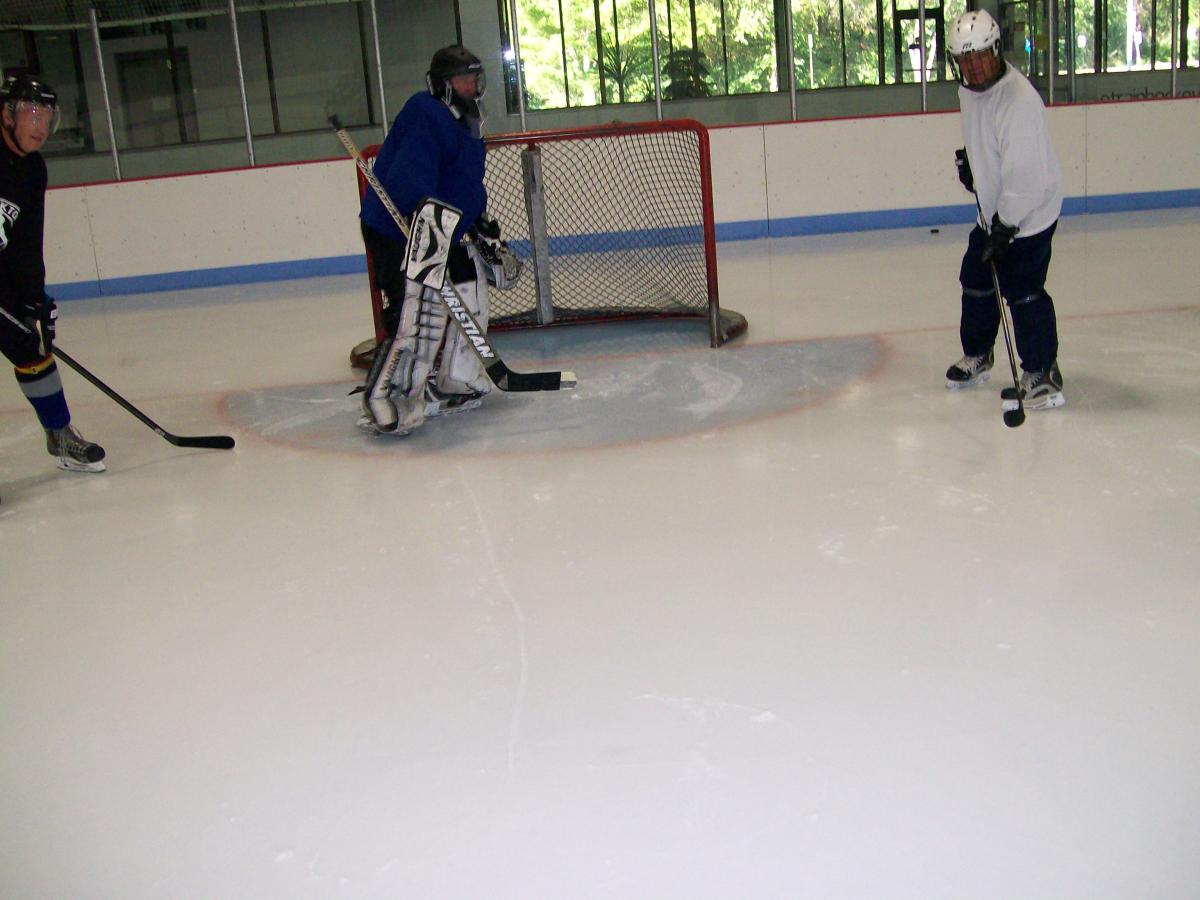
(973, 41)
(448, 63)
(18, 89)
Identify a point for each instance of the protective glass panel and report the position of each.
(862, 48)
(817, 29)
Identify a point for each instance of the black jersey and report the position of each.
(22, 214)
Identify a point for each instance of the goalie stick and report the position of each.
(500, 374)
(208, 442)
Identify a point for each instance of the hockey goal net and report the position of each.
(612, 222)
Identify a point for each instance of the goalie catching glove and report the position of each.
(503, 267)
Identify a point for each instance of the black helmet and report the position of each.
(28, 88)
(18, 89)
(451, 61)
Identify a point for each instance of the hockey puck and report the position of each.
(935, 231)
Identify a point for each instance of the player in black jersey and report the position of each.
(29, 110)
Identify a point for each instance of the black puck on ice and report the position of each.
(935, 231)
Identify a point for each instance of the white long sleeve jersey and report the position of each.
(1012, 160)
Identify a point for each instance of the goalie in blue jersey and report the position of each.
(434, 150)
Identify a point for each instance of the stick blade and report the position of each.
(205, 442)
(521, 382)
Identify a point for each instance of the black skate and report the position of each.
(71, 451)
(1039, 390)
(970, 370)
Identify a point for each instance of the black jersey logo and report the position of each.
(8, 216)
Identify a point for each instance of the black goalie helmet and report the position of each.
(445, 65)
(18, 89)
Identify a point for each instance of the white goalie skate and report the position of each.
(440, 404)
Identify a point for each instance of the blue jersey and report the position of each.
(428, 152)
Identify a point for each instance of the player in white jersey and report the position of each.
(1009, 164)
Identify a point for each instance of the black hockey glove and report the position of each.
(964, 169)
(999, 239)
(48, 318)
(487, 229)
(502, 265)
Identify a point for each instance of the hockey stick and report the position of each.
(500, 374)
(210, 442)
(1012, 417)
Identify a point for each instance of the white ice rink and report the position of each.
(783, 620)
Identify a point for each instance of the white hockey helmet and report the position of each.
(975, 30)
(974, 45)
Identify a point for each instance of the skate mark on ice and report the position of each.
(497, 575)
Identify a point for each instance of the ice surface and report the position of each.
(783, 620)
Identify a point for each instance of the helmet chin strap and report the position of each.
(471, 110)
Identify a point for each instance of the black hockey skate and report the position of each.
(73, 452)
(970, 370)
(1039, 390)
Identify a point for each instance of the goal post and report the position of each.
(613, 222)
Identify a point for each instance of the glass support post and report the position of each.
(112, 135)
(654, 56)
(383, 114)
(1174, 49)
(237, 57)
(1071, 43)
(921, 55)
(791, 59)
(1051, 50)
(516, 44)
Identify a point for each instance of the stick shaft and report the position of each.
(1012, 361)
(214, 442)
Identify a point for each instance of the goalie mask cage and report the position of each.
(612, 222)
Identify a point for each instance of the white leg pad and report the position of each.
(394, 395)
(424, 324)
(431, 331)
(461, 371)
(379, 413)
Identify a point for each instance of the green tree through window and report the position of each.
(594, 52)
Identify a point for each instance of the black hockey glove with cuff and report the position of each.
(486, 228)
(964, 169)
(48, 318)
(39, 320)
(502, 265)
(1000, 238)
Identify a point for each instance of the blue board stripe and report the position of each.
(753, 229)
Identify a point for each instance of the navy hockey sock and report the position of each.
(42, 386)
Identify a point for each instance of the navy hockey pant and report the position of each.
(1022, 275)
